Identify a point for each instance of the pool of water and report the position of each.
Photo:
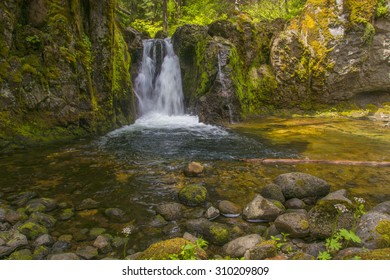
(139, 166)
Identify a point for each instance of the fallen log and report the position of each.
(316, 161)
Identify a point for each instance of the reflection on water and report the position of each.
(139, 166)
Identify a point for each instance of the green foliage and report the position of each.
(324, 256)
(280, 242)
(382, 9)
(189, 251)
(263, 10)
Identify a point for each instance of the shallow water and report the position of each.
(139, 166)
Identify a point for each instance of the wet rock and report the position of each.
(211, 213)
(194, 213)
(103, 244)
(349, 253)
(66, 237)
(295, 224)
(271, 231)
(41, 205)
(172, 230)
(44, 240)
(170, 211)
(264, 250)
(193, 169)
(314, 248)
(273, 191)
(11, 241)
(324, 218)
(158, 222)
(88, 204)
(43, 219)
(215, 233)
(118, 242)
(2, 214)
(115, 214)
(13, 217)
(338, 195)
(302, 256)
(32, 230)
(21, 199)
(24, 254)
(373, 229)
(87, 252)
(40, 253)
(66, 214)
(60, 247)
(5, 226)
(95, 232)
(64, 256)
(383, 208)
(262, 209)
(302, 185)
(295, 203)
(229, 209)
(237, 247)
(193, 195)
(162, 250)
(188, 236)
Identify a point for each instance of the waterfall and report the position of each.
(158, 85)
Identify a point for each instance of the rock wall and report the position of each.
(64, 70)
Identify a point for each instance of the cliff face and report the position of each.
(64, 70)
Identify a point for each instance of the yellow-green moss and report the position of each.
(193, 195)
(219, 234)
(383, 229)
(32, 230)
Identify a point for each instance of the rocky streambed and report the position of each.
(292, 218)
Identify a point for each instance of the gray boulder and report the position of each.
(296, 224)
(170, 211)
(373, 229)
(229, 209)
(237, 247)
(262, 209)
(273, 191)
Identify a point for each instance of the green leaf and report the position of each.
(333, 244)
(324, 256)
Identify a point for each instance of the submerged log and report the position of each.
(317, 161)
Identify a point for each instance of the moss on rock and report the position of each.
(193, 195)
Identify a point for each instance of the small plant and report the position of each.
(126, 231)
(189, 251)
(280, 242)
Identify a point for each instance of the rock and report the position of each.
(13, 217)
(295, 224)
(271, 231)
(32, 230)
(193, 195)
(64, 256)
(87, 252)
(43, 219)
(164, 249)
(172, 230)
(194, 169)
(95, 232)
(194, 213)
(188, 236)
(383, 208)
(302, 185)
(262, 209)
(324, 218)
(44, 240)
(273, 191)
(170, 211)
(314, 249)
(373, 229)
(41, 205)
(2, 215)
(40, 253)
(338, 195)
(349, 253)
(115, 214)
(211, 213)
(23, 254)
(65, 237)
(229, 209)
(66, 214)
(158, 222)
(264, 250)
(5, 226)
(295, 203)
(60, 247)
(21, 199)
(88, 204)
(118, 241)
(103, 244)
(237, 247)
(11, 241)
(302, 256)
(215, 233)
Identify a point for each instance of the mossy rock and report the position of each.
(263, 250)
(24, 254)
(163, 249)
(377, 254)
(32, 230)
(193, 195)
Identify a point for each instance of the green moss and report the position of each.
(219, 234)
(383, 229)
(24, 254)
(32, 230)
(193, 195)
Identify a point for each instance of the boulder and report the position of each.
(212, 213)
(229, 209)
(32, 230)
(295, 224)
(64, 256)
(215, 233)
(44, 240)
(11, 241)
(193, 195)
(102, 243)
(263, 250)
(193, 169)
(237, 247)
(87, 252)
(43, 219)
(295, 203)
(115, 214)
(373, 229)
(302, 185)
(262, 209)
(170, 211)
(383, 207)
(338, 195)
(88, 204)
(273, 191)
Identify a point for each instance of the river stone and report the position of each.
(60, 247)
(13, 217)
(5, 226)
(41, 205)
(215, 233)
(295, 224)
(302, 185)
(170, 211)
(2, 214)
(193, 195)
(212, 213)
(118, 241)
(88, 204)
(172, 229)
(314, 249)
(65, 237)
(263, 250)
(21, 199)
(273, 191)
(44, 239)
(383, 207)
(87, 252)
(262, 209)
(24, 254)
(103, 244)
(194, 213)
(12, 240)
(95, 232)
(115, 214)
(373, 229)
(66, 214)
(295, 203)
(40, 252)
(32, 230)
(349, 253)
(229, 209)
(43, 219)
(338, 195)
(237, 247)
(64, 256)
(193, 169)
(188, 236)
(158, 222)
(324, 219)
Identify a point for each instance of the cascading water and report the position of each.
(158, 85)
